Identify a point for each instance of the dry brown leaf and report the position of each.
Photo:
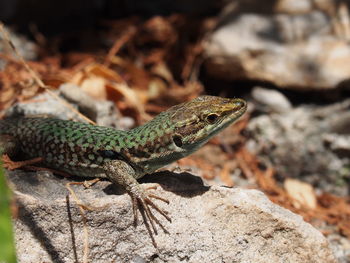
(206, 167)
(303, 194)
(157, 88)
(162, 70)
(135, 75)
(225, 175)
(119, 43)
(158, 29)
(131, 97)
(95, 87)
(103, 72)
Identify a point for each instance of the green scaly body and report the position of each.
(81, 149)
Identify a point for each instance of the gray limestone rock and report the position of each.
(309, 142)
(104, 113)
(271, 100)
(295, 51)
(215, 224)
(26, 48)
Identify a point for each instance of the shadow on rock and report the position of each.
(183, 184)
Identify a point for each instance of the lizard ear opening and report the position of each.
(211, 118)
(177, 140)
(113, 155)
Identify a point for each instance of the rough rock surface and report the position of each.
(104, 113)
(297, 51)
(268, 100)
(214, 224)
(26, 48)
(318, 137)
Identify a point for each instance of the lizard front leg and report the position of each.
(122, 173)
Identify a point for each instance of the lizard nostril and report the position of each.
(240, 103)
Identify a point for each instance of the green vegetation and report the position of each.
(7, 245)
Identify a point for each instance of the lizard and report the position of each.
(122, 157)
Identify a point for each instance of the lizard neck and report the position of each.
(153, 145)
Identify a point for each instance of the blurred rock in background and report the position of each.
(299, 45)
(309, 142)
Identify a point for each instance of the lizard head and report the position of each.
(181, 130)
(196, 121)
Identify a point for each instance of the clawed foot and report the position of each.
(122, 173)
(144, 204)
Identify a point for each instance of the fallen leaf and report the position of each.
(225, 175)
(302, 193)
(95, 87)
(104, 72)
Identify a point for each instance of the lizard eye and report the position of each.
(177, 140)
(211, 118)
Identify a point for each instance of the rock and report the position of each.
(26, 48)
(215, 224)
(43, 104)
(295, 6)
(271, 100)
(341, 247)
(86, 104)
(104, 113)
(318, 138)
(297, 51)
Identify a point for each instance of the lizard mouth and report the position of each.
(232, 115)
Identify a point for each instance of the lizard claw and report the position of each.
(122, 173)
(144, 204)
